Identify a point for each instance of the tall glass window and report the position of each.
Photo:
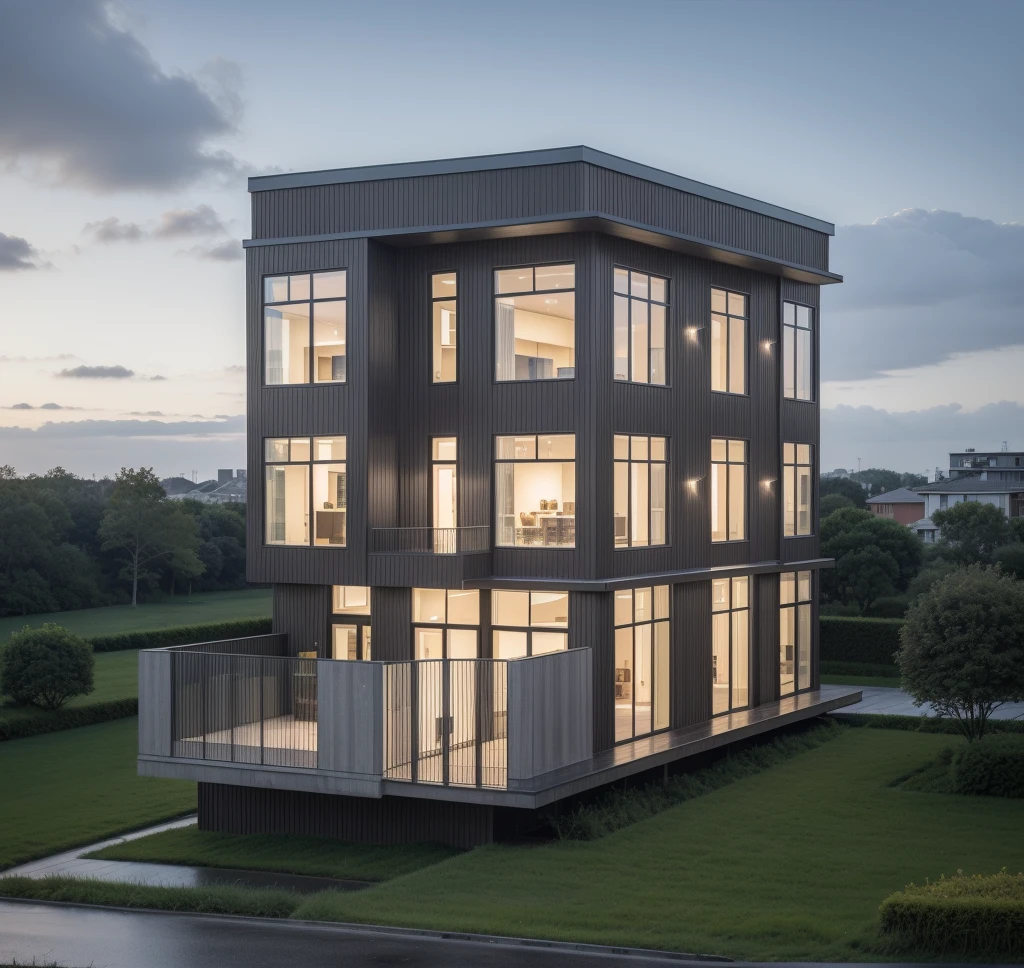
(443, 305)
(641, 661)
(446, 623)
(303, 473)
(640, 492)
(730, 644)
(794, 632)
(728, 341)
(304, 323)
(728, 489)
(535, 490)
(529, 623)
(797, 351)
(350, 623)
(641, 308)
(796, 476)
(535, 323)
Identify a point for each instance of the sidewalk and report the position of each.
(895, 702)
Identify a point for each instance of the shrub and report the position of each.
(46, 667)
(983, 914)
(53, 721)
(921, 724)
(855, 639)
(181, 635)
(993, 767)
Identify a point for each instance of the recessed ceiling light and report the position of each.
(448, 282)
(550, 302)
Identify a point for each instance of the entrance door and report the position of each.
(444, 491)
(350, 642)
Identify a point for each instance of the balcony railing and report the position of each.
(430, 541)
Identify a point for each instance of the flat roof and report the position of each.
(525, 159)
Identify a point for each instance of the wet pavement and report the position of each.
(895, 702)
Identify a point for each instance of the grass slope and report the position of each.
(790, 864)
(66, 789)
(314, 856)
(888, 682)
(205, 607)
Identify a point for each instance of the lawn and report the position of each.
(889, 682)
(181, 610)
(65, 789)
(789, 864)
(297, 855)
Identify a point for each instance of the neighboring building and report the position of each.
(1008, 496)
(925, 529)
(1002, 465)
(533, 440)
(902, 505)
(230, 488)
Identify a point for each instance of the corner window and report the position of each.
(794, 632)
(728, 490)
(535, 491)
(304, 324)
(797, 351)
(303, 473)
(796, 476)
(640, 493)
(728, 341)
(446, 623)
(529, 623)
(443, 306)
(641, 307)
(730, 644)
(535, 323)
(350, 624)
(641, 661)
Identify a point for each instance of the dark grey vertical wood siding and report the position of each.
(591, 625)
(766, 632)
(303, 613)
(691, 653)
(392, 624)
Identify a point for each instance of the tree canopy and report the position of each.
(971, 531)
(851, 490)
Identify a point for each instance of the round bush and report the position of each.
(993, 766)
(46, 667)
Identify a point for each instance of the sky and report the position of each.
(127, 131)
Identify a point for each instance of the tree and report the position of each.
(844, 486)
(1010, 559)
(971, 531)
(145, 528)
(907, 479)
(877, 480)
(833, 502)
(962, 647)
(867, 574)
(46, 667)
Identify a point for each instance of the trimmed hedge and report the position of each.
(181, 635)
(52, 721)
(983, 914)
(860, 639)
(922, 724)
(992, 767)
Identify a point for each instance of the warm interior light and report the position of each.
(691, 331)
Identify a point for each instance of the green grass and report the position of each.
(838, 673)
(886, 681)
(71, 788)
(181, 610)
(790, 864)
(314, 856)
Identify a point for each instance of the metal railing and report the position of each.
(430, 541)
(446, 722)
(256, 709)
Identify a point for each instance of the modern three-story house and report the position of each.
(532, 447)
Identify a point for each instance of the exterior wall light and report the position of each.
(767, 344)
(691, 484)
(767, 483)
(692, 331)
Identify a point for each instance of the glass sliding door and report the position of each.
(444, 494)
(642, 684)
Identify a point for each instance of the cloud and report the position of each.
(228, 251)
(921, 286)
(42, 406)
(16, 252)
(116, 372)
(201, 220)
(114, 230)
(127, 428)
(235, 369)
(155, 378)
(38, 359)
(86, 104)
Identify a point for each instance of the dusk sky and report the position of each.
(127, 131)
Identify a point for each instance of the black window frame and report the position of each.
(531, 628)
(730, 610)
(727, 463)
(629, 546)
(446, 625)
(790, 468)
(433, 300)
(796, 328)
(653, 621)
(745, 392)
(360, 621)
(534, 460)
(798, 647)
(630, 299)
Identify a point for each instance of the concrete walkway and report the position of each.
(71, 863)
(895, 702)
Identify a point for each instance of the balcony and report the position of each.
(412, 556)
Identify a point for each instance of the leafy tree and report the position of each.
(1010, 559)
(1017, 528)
(46, 667)
(962, 647)
(877, 480)
(867, 573)
(907, 479)
(833, 502)
(147, 529)
(971, 531)
(932, 571)
(844, 486)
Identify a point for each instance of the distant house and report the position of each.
(902, 505)
(1007, 495)
(229, 488)
(1006, 466)
(926, 530)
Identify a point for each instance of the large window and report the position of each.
(350, 623)
(797, 351)
(641, 306)
(641, 661)
(728, 489)
(535, 490)
(728, 341)
(304, 328)
(796, 476)
(443, 327)
(794, 631)
(301, 474)
(446, 623)
(535, 323)
(730, 644)
(639, 491)
(529, 623)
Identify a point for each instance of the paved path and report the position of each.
(895, 702)
(72, 863)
